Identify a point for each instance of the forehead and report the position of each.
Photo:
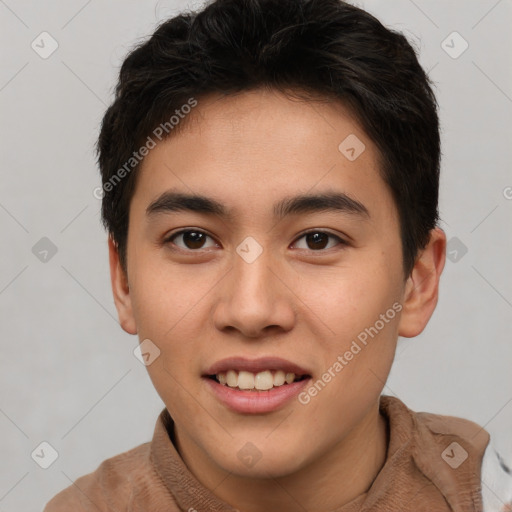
(250, 149)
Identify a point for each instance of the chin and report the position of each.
(271, 461)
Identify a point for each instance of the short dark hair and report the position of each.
(311, 48)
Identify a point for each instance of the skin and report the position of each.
(204, 302)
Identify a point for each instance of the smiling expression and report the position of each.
(251, 236)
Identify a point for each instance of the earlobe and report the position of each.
(121, 290)
(422, 287)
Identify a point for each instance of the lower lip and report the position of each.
(256, 402)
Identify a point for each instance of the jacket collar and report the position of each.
(430, 459)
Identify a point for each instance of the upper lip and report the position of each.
(255, 365)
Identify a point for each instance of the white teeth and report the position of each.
(261, 381)
(245, 380)
(279, 378)
(232, 379)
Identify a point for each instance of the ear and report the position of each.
(422, 287)
(121, 290)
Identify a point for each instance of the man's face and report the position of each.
(254, 284)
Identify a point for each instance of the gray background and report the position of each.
(68, 373)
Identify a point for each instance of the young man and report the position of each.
(270, 176)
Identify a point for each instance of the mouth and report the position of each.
(255, 386)
(261, 381)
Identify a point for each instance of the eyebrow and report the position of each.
(171, 201)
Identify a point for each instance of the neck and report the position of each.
(334, 479)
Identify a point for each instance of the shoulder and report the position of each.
(496, 464)
(432, 428)
(470, 431)
(109, 487)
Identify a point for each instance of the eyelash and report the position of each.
(302, 235)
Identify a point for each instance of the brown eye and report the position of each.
(191, 239)
(318, 240)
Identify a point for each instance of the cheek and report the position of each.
(165, 313)
(363, 311)
(355, 300)
(357, 360)
(165, 308)
(165, 296)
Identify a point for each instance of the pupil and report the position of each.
(316, 239)
(193, 239)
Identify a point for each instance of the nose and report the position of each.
(254, 298)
